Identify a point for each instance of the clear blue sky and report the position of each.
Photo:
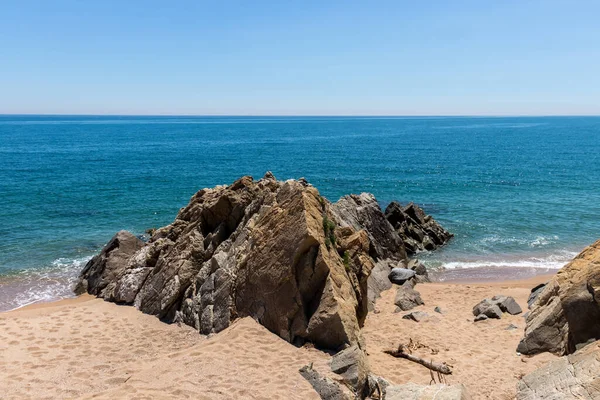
(303, 57)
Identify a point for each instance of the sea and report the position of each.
(515, 191)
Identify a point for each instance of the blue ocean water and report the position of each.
(515, 191)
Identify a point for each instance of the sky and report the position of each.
(300, 58)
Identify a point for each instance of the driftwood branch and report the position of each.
(438, 367)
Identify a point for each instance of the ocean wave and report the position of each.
(554, 261)
(54, 282)
(531, 242)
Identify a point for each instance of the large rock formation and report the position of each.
(566, 314)
(267, 249)
(276, 251)
(571, 377)
(417, 230)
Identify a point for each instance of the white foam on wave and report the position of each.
(554, 261)
(31, 286)
(538, 241)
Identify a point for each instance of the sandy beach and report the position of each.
(88, 348)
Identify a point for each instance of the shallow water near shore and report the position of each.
(516, 192)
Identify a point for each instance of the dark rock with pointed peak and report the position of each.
(417, 230)
(363, 212)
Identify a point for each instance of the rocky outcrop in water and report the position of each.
(417, 230)
(566, 313)
(276, 251)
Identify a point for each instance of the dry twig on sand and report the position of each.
(404, 352)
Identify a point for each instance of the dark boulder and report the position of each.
(494, 307)
(507, 304)
(400, 275)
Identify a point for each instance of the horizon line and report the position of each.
(304, 115)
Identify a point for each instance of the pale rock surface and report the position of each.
(576, 376)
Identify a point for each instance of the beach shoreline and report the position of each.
(455, 275)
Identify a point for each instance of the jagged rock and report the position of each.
(417, 230)
(325, 387)
(481, 317)
(535, 292)
(400, 275)
(413, 391)
(416, 316)
(377, 386)
(493, 308)
(103, 269)
(507, 304)
(488, 308)
(493, 312)
(363, 212)
(421, 274)
(570, 377)
(567, 311)
(407, 298)
(352, 365)
(268, 249)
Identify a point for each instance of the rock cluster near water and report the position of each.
(273, 250)
(417, 230)
(565, 313)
